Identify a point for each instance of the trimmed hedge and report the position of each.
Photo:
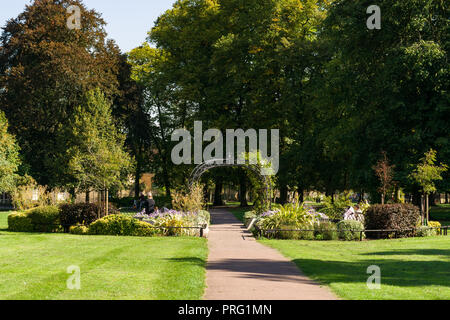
(350, 230)
(44, 219)
(20, 222)
(40, 219)
(401, 217)
(120, 225)
(79, 230)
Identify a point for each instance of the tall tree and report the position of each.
(45, 70)
(9, 156)
(384, 89)
(130, 109)
(96, 157)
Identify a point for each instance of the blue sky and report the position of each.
(128, 20)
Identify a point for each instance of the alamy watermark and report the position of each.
(74, 280)
(374, 281)
(234, 140)
(74, 20)
(374, 21)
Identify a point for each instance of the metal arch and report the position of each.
(217, 163)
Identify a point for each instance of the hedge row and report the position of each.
(41, 219)
(52, 218)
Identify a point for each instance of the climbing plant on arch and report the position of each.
(262, 183)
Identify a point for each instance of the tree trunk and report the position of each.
(137, 180)
(427, 207)
(301, 196)
(382, 198)
(283, 194)
(446, 198)
(88, 197)
(243, 189)
(107, 201)
(218, 192)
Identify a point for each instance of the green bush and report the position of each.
(424, 231)
(326, 231)
(204, 217)
(79, 230)
(44, 219)
(120, 225)
(435, 224)
(248, 217)
(401, 217)
(20, 222)
(350, 230)
(335, 209)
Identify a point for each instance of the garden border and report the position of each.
(443, 231)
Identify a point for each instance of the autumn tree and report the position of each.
(45, 71)
(385, 174)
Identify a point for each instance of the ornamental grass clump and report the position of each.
(291, 216)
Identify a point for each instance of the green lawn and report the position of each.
(441, 213)
(416, 268)
(33, 266)
(239, 212)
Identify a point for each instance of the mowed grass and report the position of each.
(417, 268)
(34, 266)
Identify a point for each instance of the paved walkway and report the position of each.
(240, 268)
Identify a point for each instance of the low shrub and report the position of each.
(79, 213)
(248, 217)
(335, 209)
(401, 217)
(120, 225)
(44, 219)
(79, 230)
(350, 230)
(326, 231)
(424, 231)
(20, 222)
(174, 223)
(435, 224)
(203, 218)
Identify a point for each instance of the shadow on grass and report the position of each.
(394, 272)
(422, 252)
(189, 260)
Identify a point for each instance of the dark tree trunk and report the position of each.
(301, 195)
(137, 180)
(205, 194)
(243, 189)
(283, 194)
(417, 199)
(88, 196)
(218, 192)
(446, 198)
